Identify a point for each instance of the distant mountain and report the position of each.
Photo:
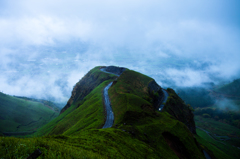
(196, 96)
(21, 115)
(230, 90)
(54, 106)
(137, 128)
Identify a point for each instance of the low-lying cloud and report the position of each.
(226, 105)
(183, 43)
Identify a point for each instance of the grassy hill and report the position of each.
(21, 116)
(139, 131)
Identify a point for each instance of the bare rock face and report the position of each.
(156, 93)
(182, 112)
(153, 86)
(115, 70)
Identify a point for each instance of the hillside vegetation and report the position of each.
(139, 130)
(84, 109)
(21, 116)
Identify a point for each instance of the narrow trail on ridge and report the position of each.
(109, 113)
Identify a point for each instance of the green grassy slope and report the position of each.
(139, 130)
(130, 89)
(54, 106)
(82, 114)
(182, 112)
(21, 115)
(134, 113)
(89, 82)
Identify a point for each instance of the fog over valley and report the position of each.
(46, 47)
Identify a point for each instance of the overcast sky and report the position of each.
(43, 42)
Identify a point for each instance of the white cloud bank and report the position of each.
(136, 32)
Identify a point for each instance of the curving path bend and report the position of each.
(109, 113)
(110, 116)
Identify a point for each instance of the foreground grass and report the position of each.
(139, 141)
(51, 147)
(107, 143)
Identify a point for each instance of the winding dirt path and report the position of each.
(110, 116)
(109, 113)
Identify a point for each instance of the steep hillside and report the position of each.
(90, 81)
(139, 129)
(85, 107)
(177, 108)
(21, 116)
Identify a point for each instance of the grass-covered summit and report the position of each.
(139, 130)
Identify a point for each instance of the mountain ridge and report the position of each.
(139, 129)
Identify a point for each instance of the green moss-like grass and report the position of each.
(88, 113)
(128, 93)
(95, 143)
(134, 113)
(21, 115)
(82, 114)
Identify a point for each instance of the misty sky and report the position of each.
(46, 46)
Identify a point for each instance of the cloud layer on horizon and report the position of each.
(111, 32)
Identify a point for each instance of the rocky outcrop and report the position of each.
(114, 70)
(156, 93)
(153, 86)
(182, 112)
